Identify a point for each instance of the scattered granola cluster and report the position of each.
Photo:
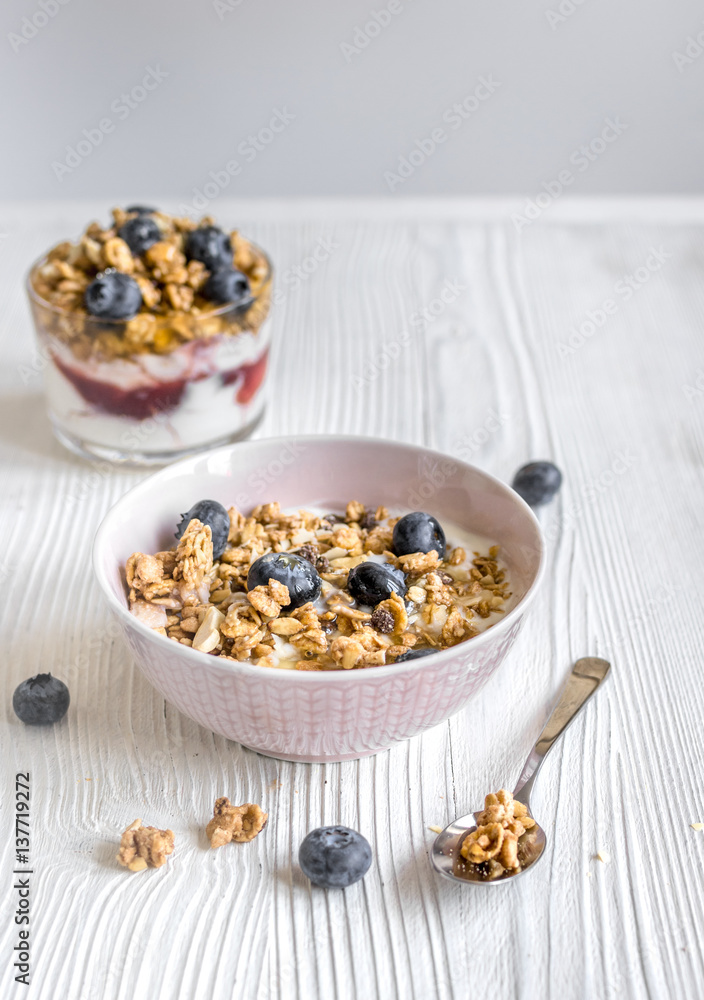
(192, 599)
(148, 847)
(234, 823)
(144, 847)
(494, 847)
(174, 308)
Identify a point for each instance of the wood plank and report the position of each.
(481, 376)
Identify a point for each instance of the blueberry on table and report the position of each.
(371, 582)
(537, 482)
(211, 246)
(334, 856)
(301, 578)
(139, 233)
(227, 285)
(213, 513)
(113, 295)
(414, 654)
(418, 532)
(41, 700)
(141, 209)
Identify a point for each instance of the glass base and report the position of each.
(148, 459)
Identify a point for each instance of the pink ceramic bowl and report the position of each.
(336, 715)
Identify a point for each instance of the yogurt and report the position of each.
(151, 405)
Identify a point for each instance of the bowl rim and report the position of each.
(231, 667)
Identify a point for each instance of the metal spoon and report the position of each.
(587, 674)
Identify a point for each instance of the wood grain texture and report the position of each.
(490, 375)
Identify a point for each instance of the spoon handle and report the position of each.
(587, 674)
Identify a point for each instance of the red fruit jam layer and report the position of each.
(252, 377)
(161, 397)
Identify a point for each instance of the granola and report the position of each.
(192, 599)
(499, 845)
(194, 554)
(234, 823)
(144, 847)
(174, 309)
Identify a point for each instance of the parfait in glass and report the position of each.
(153, 335)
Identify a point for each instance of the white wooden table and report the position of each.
(486, 376)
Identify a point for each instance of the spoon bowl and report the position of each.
(448, 861)
(586, 676)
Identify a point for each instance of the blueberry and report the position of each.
(213, 513)
(418, 532)
(227, 285)
(139, 233)
(41, 700)
(537, 482)
(141, 210)
(113, 295)
(414, 654)
(372, 582)
(301, 578)
(334, 856)
(211, 246)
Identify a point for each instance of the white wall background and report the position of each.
(355, 113)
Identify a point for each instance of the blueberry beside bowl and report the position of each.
(334, 857)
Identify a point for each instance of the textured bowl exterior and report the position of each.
(319, 716)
